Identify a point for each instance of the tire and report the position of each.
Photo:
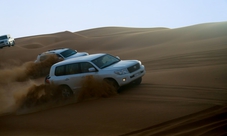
(13, 43)
(65, 91)
(113, 83)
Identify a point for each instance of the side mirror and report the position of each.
(92, 69)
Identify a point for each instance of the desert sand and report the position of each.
(184, 90)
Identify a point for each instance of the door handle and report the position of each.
(66, 79)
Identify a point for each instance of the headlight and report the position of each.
(121, 72)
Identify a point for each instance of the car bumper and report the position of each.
(128, 78)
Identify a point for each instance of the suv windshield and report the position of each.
(68, 53)
(105, 61)
(3, 37)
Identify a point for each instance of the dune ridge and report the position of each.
(183, 92)
(115, 31)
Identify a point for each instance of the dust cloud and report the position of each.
(20, 93)
(28, 96)
(93, 88)
(26, 71)
(12, 95)
(39, 94)
(40, 97)
(17, 82)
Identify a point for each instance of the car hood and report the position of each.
(78, 54)
(122, 64)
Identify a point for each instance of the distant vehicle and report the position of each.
(68, 74)
(62, 54)
(6, 40)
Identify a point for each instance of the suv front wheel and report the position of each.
(13, 43)
(113, 83)
(138, 81)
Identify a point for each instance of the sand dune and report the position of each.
(115, 31)
(183, 92)
(32, 46)
(214, 117)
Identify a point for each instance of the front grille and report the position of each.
(134, 68)
(1, 41)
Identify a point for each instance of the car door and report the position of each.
(86, 73)
(68, 74)
(75, 74)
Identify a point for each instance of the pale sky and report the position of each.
(21, 18)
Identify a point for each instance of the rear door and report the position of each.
(68, 75)
(74, 75)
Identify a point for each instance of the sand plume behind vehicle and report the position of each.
(45, 96)
(94, 88)
(31, 96)
(12, 95)
(28, 70)
(16, 81)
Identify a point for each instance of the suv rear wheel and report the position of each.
(65, 91)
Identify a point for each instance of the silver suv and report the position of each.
(62, 54)
(6, 40)
(69, 74)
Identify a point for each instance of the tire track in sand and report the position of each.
(212, 121)
(203, 58)
(209, 122)
(178, 93)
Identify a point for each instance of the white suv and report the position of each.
(6, 40)
(69, 74)
(62, 54)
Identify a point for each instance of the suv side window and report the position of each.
(72, 69)
(68, 69)
(45, 56)
(60, 70)
(42, 58)
(85, 66)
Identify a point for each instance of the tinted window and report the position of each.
(42, 58)
(67, 69)
(3, 37)
(46, 56)
(68, 53)
(85, 66)
(60, 70)
(72, 69)
(105, 61)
